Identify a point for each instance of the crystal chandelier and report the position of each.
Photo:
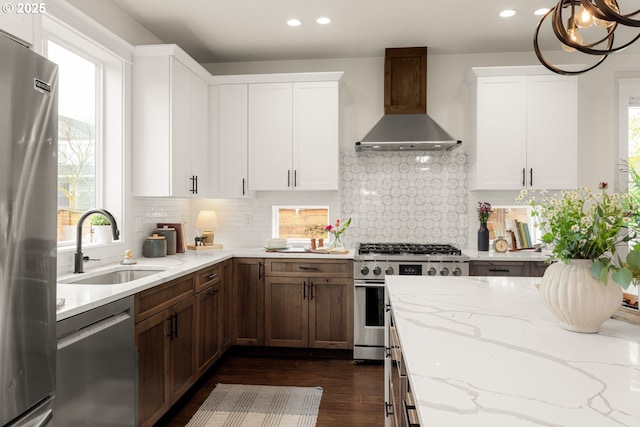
(589, 27)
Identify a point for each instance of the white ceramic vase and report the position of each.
(578, 300)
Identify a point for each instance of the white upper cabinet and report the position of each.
(271, 136)
(524, 128)
(228, 126)
(315, 136)
(20, 20)
(170, 147)
(275, 132)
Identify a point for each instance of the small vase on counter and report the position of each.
(483, 237)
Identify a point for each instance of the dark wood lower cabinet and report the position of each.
(166, 359)
(248, 301)
(309, 304)
(507, 268)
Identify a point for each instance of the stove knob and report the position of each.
(364, 270)
(388, 271)
(377, 270)
(444, 271)
(457, 271)
(431, 271)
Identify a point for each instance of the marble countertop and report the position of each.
(528, 255)
(80, 298)
(486, 351)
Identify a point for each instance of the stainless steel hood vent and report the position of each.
(406, 125)
(407, 132)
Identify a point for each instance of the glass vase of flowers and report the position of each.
(336, 231)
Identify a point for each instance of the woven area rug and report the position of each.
(235, 405)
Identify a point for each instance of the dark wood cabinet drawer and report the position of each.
(316, 267)
(208, 276)
(538, 268)
(156, 299)
(499, 268)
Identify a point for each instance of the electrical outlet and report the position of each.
(138, 224)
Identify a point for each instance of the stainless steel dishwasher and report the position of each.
(96, 370)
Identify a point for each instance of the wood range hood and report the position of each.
(406, 126)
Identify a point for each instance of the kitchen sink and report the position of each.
(113, 277)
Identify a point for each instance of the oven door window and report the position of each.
(374, 306)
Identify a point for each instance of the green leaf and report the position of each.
(633, 259)
(622, 277)
(604, 275)
(596, 269)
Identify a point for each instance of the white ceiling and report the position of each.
(256, 30)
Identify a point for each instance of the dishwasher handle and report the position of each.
(92, 329)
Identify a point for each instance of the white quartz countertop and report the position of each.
(80, 298)
(485, 351)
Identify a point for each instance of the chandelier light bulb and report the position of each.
(583, 18)
(601, 23)
(574, 36)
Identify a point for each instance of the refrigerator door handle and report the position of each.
(44, 420)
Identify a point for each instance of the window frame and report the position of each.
(275, 215)
(110, 101)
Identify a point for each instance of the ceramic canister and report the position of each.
(170, 235)
(154, 246)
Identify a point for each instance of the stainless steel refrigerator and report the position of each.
(28, 176)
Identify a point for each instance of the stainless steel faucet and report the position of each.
(78, 257)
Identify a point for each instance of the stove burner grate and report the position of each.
(408, 249)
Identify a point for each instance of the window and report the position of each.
(90, 126)
(77, 136)
(300, 222)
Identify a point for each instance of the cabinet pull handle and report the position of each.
(524, 171)
(313, 287)
(170, 320)
(304, 290)
(302, 267)
(388, 409)
(260, 270)
(500, 270)
(288, 177)
(175, 331)
(295, 177)
(196, 181)
(243, 182)
(212, 276)
(531, 177)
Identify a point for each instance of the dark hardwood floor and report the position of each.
(353, 394)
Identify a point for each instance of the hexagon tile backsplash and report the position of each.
(405, 197)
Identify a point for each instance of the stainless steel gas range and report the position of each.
(372, 263)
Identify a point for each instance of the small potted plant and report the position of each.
(101, 228)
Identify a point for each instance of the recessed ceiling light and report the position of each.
(294, 22)
(541, 11)
(507, 13)
(323, 20)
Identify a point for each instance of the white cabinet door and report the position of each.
(552, 127)
(182, 181)
(270, 136)
(170, 129)
(200, 166)
(315, 136)
(19, 25)
(501, 133)
(232, 141)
